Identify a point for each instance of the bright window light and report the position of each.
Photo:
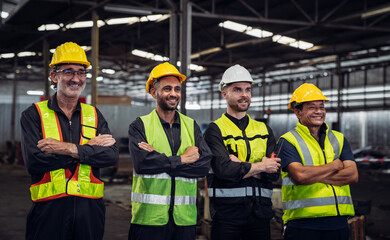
(148, 55)
(35, 92)
(150, 18)
(4, 14)
(86, 48)
(292, 42)
(255, 32)
(283, 40)
(108, 71)
(99, 79)
(259, 33)
(126, 20)
(84, 24)
(192, 106)
(7, 55)
(26, 54)
(160, 58)
(112, 21)
(48, 27)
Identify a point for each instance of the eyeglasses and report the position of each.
(69, 73)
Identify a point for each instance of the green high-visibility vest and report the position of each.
(151, 194)
(56, 183)
(318, 199)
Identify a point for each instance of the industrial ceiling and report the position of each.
(270, 37)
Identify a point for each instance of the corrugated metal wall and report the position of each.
(362, 129)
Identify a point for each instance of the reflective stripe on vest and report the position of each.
(54, 183)
(151, 193)
(239, 192)
(318, 199)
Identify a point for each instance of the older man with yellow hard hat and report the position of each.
(64, 145)
(317, 168)
(168, 154)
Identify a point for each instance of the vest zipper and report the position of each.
(334, 191)
(248, 146)
(70, 130)
(173, 185)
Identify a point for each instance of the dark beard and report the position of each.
(164, 106)
(236, 108)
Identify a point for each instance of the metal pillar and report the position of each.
(339, 87)
(173, 38)
(46, 53)
(185, 47)
(263, 88)
(211, 99)
(95, 58)
(14, 92)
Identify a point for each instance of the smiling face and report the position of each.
(68, 86)
(312, 114)
(238, 96)
(167, 92)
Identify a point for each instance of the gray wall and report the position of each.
(371, 128)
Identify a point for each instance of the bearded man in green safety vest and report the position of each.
(168, 154)
(317, 168)
(64, 144)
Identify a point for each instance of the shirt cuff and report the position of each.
(175, 161)
(82, 156)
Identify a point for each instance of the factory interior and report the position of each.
(342, 47)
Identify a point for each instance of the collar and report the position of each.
(175, 122)
(53, 104)
(240, 123)
(323, 129)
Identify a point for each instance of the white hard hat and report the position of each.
(234, 74)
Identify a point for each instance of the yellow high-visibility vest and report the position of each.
(60, 182)
(318, 199)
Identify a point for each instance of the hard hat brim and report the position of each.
(87, 64)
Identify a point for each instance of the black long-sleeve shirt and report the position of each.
(37, 162)
(145, 162)
(223, 167)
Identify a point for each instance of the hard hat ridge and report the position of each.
(69, 53)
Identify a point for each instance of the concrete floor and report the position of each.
(15, 204)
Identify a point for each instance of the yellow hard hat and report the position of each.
(305, 93)
(161, 70)
(69, 52)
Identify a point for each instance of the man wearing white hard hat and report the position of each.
(240, 185)
(317, 168)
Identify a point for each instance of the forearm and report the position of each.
(305, 175)
(199, 168)
(347, 175)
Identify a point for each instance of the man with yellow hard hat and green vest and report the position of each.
(168, 154)
(64, 144)
(317, 168)
(243, 164)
